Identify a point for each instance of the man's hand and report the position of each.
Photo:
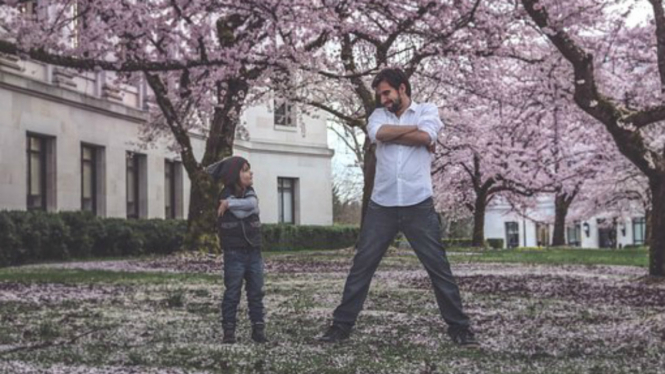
(223, 206)
(432, 148)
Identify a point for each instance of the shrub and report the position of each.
(10, 242)
(85, 232)
(280, 237)
(457, 242)
(33, 236)
(160, 236)
(120, 239)
(495, 243)
(39, 235)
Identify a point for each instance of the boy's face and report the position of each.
(246, 177)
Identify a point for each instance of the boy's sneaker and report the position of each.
(463, 337)
(335, 333)
(229, 336)
(259, 333)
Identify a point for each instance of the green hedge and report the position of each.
(453, 243)
(27, 235)
(495, 243)
(35, 236)
(457, 242)
(289, 237)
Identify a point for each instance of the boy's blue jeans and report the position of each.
(242, 264)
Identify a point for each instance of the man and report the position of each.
(404, 132)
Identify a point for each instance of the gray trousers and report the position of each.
(421, 226)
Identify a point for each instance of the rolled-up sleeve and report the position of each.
(243, 208)
(247, 203)
(374, 123)
(429, 121)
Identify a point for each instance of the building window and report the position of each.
(132, 185)
(37, 183)
(28, 8)
(512, 234)
(169, 189)
(88, 178)
(286, 192)
(574, 234)
(639, 229)
(172, 189)
(284, 113)
(136, 185)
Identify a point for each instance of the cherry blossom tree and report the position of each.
(483, 157)
(572, 161)
(496, 141)
(620, 191)
(201, 59)
(619, 80)
(364, 36)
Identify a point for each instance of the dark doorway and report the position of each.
(542, 235)
(512, 235)
(607, 234)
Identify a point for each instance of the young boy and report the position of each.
(239, 229)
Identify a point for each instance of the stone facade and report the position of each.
(66, 115)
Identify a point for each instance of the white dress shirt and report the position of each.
(403, 172)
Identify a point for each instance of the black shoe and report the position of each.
(463, 337)
(229, 336)
(335, 333)
(259, 333)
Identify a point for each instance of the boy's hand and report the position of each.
(223, 206)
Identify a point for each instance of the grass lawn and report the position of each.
(544, 311)
(628, 257)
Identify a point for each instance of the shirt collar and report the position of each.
(413, 107)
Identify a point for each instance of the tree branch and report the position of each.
(659, 17)
(46, 57)
(587, 97)
(354, 122)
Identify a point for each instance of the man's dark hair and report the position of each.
(394, 77)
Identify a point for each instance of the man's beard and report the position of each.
(396, 106)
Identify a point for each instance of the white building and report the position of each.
(291, 164)
(71, 142)
(531, 229)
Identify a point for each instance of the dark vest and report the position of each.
(239, 233)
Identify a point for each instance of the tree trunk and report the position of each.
(369, 171)
(202, 218)
(478, 239)
(561, 205)
(647, 228)
(657, 240)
